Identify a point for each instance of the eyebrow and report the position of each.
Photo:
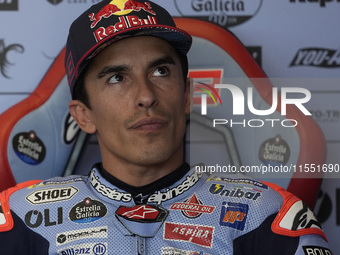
(111, 69)
(162, 61)
(120, 68)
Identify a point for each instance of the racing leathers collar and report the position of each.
(168, 188)
(141, 194)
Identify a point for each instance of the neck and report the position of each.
(138, 175)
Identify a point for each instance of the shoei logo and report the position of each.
(118, 8)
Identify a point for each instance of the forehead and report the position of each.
(135, 49)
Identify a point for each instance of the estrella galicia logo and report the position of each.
(274, 151)
(4, 50)
(29, 148)
(234, 215)
(224, 13)
(8, 5)
(317, 57)
(87, 211)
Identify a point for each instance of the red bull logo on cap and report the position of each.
(119, 8)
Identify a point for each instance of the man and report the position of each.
(127, 70)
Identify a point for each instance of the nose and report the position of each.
(146, 94)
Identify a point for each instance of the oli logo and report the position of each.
(234, 215)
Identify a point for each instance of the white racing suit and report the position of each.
(198, 214)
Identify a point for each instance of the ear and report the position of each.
(189, 93)
(82, 115)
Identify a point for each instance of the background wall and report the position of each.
(288, 38)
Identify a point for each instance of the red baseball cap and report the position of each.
(112, 20)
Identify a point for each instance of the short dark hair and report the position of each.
(79, 90)
(80, 93)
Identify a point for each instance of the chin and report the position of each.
(155, 156)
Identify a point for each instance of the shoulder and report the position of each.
(6, 220)
(295, 218)
(28, 194)
(262, 200)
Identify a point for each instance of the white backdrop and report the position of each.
(289, 38)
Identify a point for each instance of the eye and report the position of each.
(161, 71)
(116, 78)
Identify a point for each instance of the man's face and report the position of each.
(138, 101)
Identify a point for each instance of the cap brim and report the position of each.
(178, 38)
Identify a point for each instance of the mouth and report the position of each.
(149, 124)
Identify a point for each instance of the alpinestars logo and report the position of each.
(4, 50)
(317, 57)
(303, 218)
(113, 194)
(189, 182)
(143, 213)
